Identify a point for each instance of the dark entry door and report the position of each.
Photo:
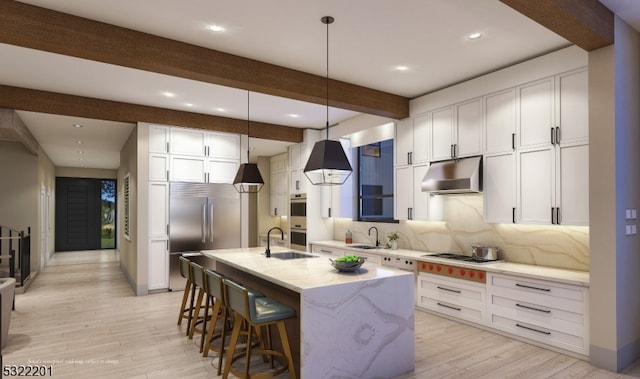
(78, 219)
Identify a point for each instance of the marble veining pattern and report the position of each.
(558, 246)
(360, 331)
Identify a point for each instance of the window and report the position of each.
(375, 182)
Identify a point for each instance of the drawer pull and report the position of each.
(327, 251)
(448, 289)
(533, 308)
(533, 329)
(449, 306)
(533, 288)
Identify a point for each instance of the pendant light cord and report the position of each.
(248, 136)
(327, 20)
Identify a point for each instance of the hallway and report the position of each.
(81, 317)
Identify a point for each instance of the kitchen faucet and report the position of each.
(268, 251)
(377, 241)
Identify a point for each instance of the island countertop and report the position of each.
(297, 274)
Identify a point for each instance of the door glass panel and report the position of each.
(108, 212)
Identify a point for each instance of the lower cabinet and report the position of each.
(552, 313)
(158, 263)
(451, 296)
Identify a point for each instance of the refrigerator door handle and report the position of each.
(203, 227)
(210, 223)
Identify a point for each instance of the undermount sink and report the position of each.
(365, 247)
(291, 255)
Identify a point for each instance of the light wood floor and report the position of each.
(81, 317)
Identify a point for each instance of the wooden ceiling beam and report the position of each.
(56, 32)
(70, 105)
(585, 23)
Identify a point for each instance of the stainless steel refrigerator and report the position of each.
(201, 217)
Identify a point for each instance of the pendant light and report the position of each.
(248, 178)
(327, 164)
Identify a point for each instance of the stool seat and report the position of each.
(267, 309)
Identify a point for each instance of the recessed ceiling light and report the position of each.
(77, 126)
(293, 115)
(401, 68)
(169, 94)
(79, 142)
(215, 28)
(188, 105)
(221, 110)
(474, 35)
(80, 152)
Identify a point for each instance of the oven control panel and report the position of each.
(457, 272)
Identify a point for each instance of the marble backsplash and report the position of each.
(543, 245)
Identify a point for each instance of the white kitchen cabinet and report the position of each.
(453, 297)
(298, 156)
(544, 311)
(553, 151)
(403, 142)
(223, 146)
(410, 202)
(500, 122)
(158, 263)
(158, 210)
(456, 131)
(221, 171)
(499, 188)
(158, 139)
(374, 259)
(158, 235)
(158, 167)
(184, 141)
(278, 185)
(553, 185)
(442, 133)
(315, 249)
(536, 117)
(184, 168)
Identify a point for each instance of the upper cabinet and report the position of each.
(298, 156)
(191, 155)
(411, 138)
(553, 155)
(456, 130)
(500, 122)
(278, 185)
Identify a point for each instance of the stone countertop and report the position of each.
(580, 278)
(297, 274)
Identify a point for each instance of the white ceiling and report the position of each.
(367, 41)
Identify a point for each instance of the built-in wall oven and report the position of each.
(298, 222)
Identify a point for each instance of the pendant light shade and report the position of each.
(328, 164)
(248, 178)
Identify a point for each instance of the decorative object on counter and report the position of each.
(348, 238)
(248, 178)
(393, 240)
(347, 263)
(268, 251)
(327, 164)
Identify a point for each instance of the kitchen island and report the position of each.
(348, 325)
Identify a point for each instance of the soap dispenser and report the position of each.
(348, 239)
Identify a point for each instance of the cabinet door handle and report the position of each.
(297, 185)
(553, 134)
(455, 150)
(451, 151)
(329, 211)
(513, 215)
(558, 215)
(449, 306)
(448, 289)
(533, 288)
(167, 174)
(410, 157)
(167, 147)
(533, 308)
(275, 211)
(410, 213)
(557, 134)
(327, 251)
(533, 329)
(553, 219)
(513, 141)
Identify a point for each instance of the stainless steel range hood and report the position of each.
(462, 175)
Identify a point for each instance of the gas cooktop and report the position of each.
(460, 257)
